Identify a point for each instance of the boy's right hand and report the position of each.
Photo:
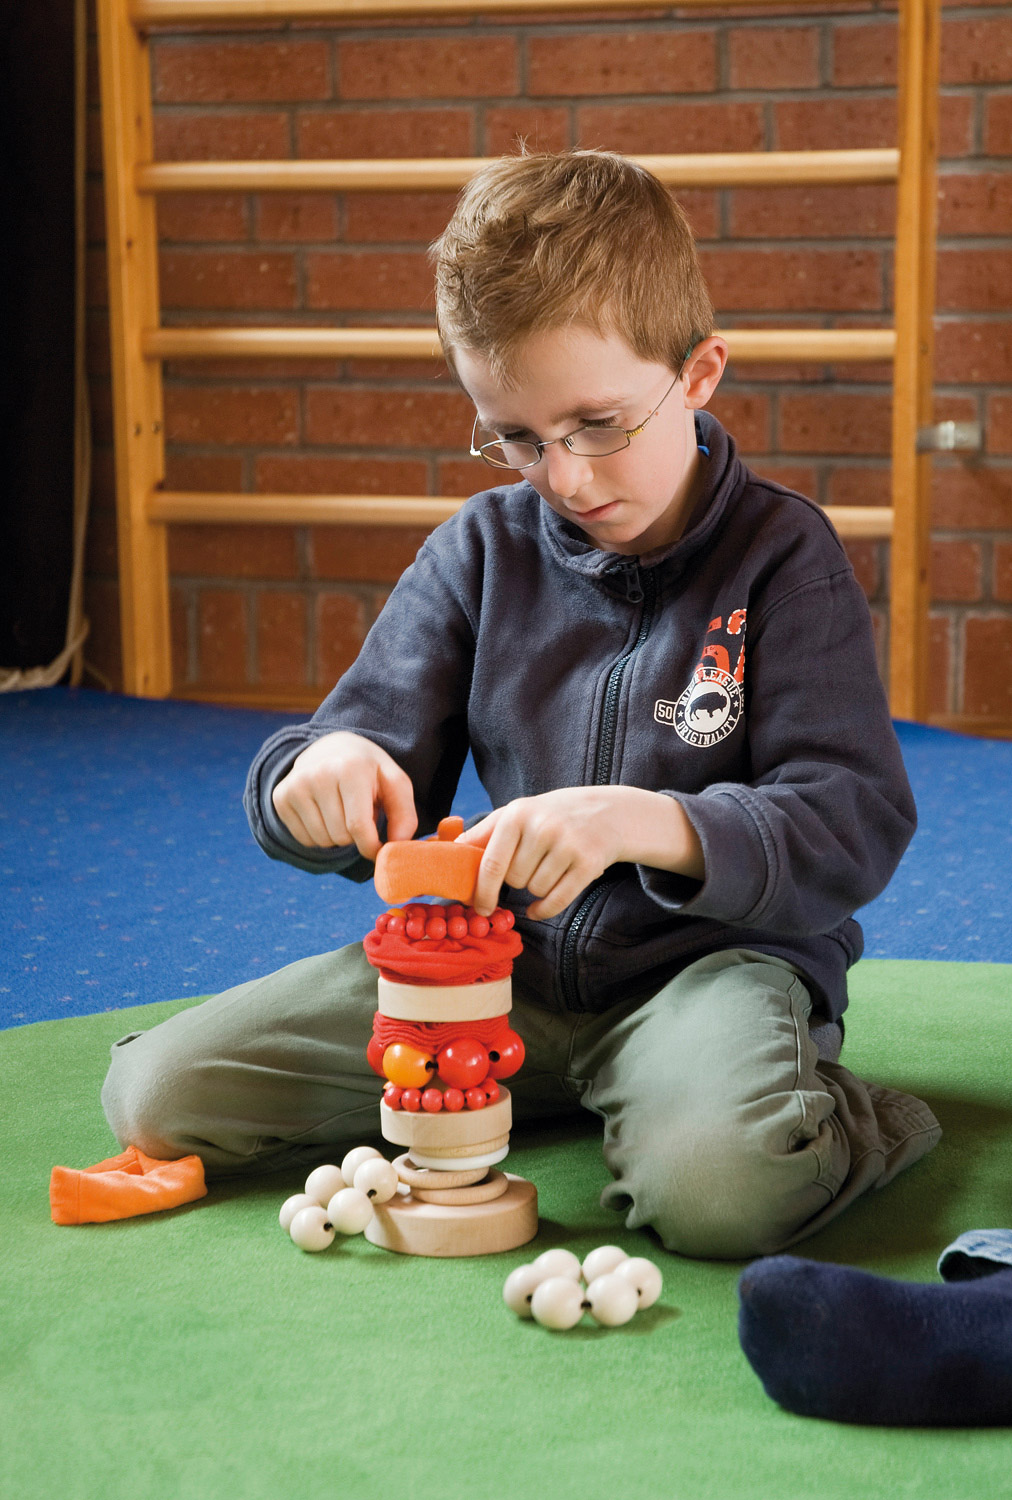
(334, 791)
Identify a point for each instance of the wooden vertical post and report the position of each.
(919, 24)
(132, 237)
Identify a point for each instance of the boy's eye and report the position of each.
(601, 422)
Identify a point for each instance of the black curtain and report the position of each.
(37, 319)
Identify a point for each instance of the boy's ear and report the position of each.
(703, 369)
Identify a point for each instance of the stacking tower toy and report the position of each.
(442, 1040)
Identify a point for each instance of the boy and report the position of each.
(664, 668)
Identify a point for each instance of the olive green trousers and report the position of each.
(724, 1130)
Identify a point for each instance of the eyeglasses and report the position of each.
(585, 442)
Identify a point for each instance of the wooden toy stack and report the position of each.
(442, 1040)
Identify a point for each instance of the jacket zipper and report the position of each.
(603, 763)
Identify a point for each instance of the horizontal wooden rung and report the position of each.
(747, 345)
(448, 174)
(865, 521)
(194, 12)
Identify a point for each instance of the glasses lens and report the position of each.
(597, 442)
(507, 455)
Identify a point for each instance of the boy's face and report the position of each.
(631, 501)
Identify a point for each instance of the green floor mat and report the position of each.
(198, 1354)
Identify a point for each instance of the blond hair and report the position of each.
(540, 242)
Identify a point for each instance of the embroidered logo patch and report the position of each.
(707, 711)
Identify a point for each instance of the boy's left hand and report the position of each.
(556, 844)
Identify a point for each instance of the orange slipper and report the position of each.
(124, 1186)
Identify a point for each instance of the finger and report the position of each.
(558, 898)
(479, 835)
(548, 872)
(397, 798)
(301, 828)
(495, 862)
(359, 812)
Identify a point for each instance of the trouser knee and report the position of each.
(143, 1099)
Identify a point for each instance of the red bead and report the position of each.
(510, 919)
(411, 1100)
(456, 927)
(456, 910)
(507, 1056)
(499, 921)
(374, 1055)
(490, 1089)
(453, 1099)
(381, 922)
(476, 1098)
(415, 927)
(432, 1100)
(478, 926)
(435, 927)
(417, 911)
(392, 1096)
(462, 1063)
(396, 925)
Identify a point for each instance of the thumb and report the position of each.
(479, 835)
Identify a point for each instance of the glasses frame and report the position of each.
(627, 433)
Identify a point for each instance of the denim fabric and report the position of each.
(978, 1252)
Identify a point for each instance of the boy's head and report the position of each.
(583, 237)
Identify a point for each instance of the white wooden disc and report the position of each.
(493, 1185)
(410, 1172)
(444, 1002)
(466, 1127)
(486, 1159)
(411, 1227)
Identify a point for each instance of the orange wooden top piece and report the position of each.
(409, 868)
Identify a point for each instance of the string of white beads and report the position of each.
(556, 1290)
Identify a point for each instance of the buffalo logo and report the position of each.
(707, 711)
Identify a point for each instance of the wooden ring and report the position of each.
(425, 1177)
(494, 1185)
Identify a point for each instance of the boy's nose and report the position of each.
(567, 472)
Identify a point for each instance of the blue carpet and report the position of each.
(129, 874)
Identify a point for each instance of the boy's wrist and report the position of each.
(657, 832)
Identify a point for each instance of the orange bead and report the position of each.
(408, 1066)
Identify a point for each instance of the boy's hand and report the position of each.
(557, 844)
(335, 789)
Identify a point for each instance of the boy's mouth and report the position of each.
(596, 513)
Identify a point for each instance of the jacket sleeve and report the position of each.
(407, 691)
(820, 826)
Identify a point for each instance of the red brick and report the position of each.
(802, 478)
(222, 637)
(382, 280)
(978, 51)
(229, 72)
(233, 551)
(974, 203)
(747, 418)
(544, 129)
(998, 125)
(103, 649)
(213, 136)
(203, 216)
(813, 212)
(791, 280)
(835, 422)
(862, 485)
(955, 571)
(397, 216)
(865, 559)
(179, 634)
(828, 124)
(296, 216)
(398, 371)
(865, 55)
(701, 207)
(615, 62)
(340, 623)
(1003, 571)
(375, 133)
(972, 496)
(773, 57)
(460, 477)
(977, 353)
(643, 128)
(220, 473)
(998, 428)
(428, 68)
(231, 415)
(987, 666)
(305, 474)
(230, 279)
(372, 554)
(940, 695)
(393, 419)
(974, 280)
(255, 371)
(281, 638)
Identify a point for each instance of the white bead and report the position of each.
(558, 1263)
(291, 1206)
(557, 1302)
(311, 1228)
(519, 1289)
(613, 1300)
(378, 1179)
(354, 1160)
(602, 1260)
(349, 1211)
(323, 1183)
(644, 1276)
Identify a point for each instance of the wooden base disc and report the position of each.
(442, 1229)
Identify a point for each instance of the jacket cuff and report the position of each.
(271, 766)
(735, 859)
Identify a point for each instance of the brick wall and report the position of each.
(273, 614)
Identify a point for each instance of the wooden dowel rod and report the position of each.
(868, 521)
(194, 12)
(448, 174)
(747, 345)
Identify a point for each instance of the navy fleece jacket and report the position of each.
(733, 670)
